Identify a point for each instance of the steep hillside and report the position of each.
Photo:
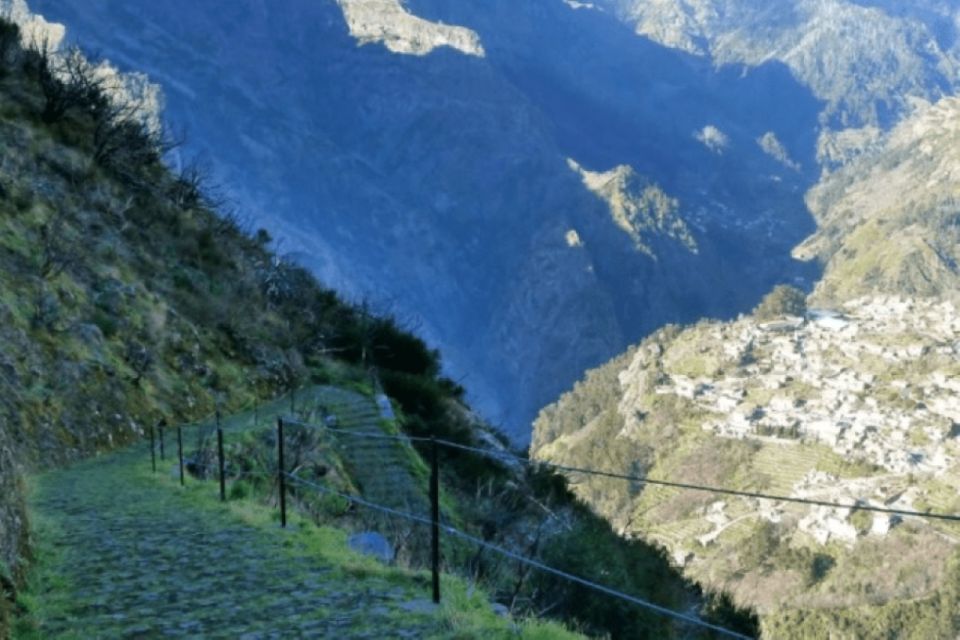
(856, 401)
(856, 407)
(888, 223)
(125, 298)
(430, 144)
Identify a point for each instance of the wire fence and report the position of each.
(283, 476)
(505, 456)
(274, 409)
(452, 531)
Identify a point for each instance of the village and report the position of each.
(877, 381)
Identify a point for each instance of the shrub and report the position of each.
(784, 300)
(67, 82)
(398, 350)
(239, 490)
(106, 322)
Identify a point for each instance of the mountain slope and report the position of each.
(435, 180)
(858, 403)
(126, 298)
(888, 223)
(864, 58)
(856, 407)
(119, 291)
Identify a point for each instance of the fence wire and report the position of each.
(452, 531)
(505, 456)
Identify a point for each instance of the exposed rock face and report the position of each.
(437, 184)
(775, 149)
(388, 22)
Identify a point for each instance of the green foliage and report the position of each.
(724, 612)
(401, 351)
(759, 549)
(820, 566)
(107, 323)
(590, 397)
(585, 551)
(862, 520)
(592, 550)
(784, 300)
(239, 490)
(919, 619)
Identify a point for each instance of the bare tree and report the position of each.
(67, 81)
(120, 138)
(57, 253)
(193, 187)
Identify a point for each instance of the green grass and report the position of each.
(465, 610)
(42, 579)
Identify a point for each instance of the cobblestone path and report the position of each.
(134, 557)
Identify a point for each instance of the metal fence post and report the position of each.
(153, 449)
(223, 480)
(180, 453)
(160, 427)
(435, 518)
(281, 474)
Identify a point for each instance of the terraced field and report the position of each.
(786, 465)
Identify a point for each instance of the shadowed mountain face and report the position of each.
(436, 180)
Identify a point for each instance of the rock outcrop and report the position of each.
(388, 22)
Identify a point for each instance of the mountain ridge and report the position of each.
(464, 219)
(863, 58)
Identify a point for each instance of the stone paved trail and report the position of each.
(141, 559)
(381, 468)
